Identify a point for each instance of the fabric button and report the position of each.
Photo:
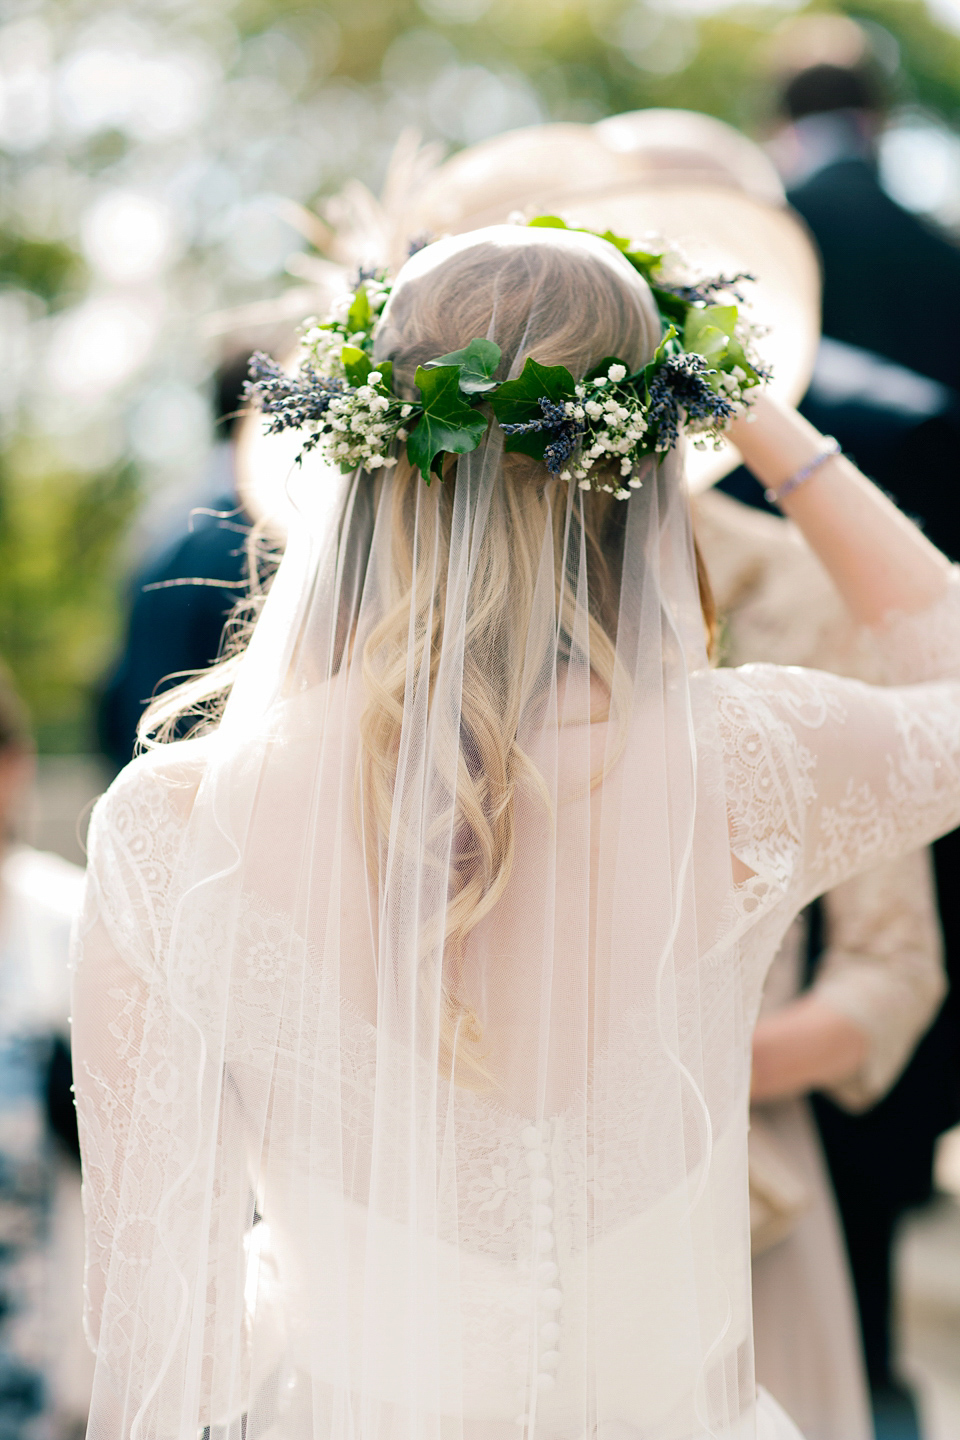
(551, 1299)
(546, 1383)
(544, 1241)
(550, 1333)
(543, 1215)
(541, 1188)
(530, 1137)
(547, 1272)
(549, 1359)
(536, 1161)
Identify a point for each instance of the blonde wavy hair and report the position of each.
(568, 307)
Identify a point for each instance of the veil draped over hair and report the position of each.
(420, 1111)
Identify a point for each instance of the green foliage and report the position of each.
(59, 586)
(711, 332)
(447, 426)
(48, 268)
(517, 402)
(356, 364)
(360, 316)
(477, 363)
(644, 261)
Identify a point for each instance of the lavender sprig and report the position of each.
(680, 393)
(561, 423)
(292, 402)
(702, 292)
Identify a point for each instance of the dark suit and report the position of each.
(175, 627)
(891, 282)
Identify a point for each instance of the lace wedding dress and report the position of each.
(384, 1138)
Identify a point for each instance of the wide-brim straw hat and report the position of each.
(671, 175)
(665, 175)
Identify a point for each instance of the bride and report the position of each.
(414, 997)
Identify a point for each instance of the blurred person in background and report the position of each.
(886, 386)
(185, 588)
(45, 1371)
(834, 95)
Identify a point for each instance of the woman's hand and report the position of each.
(879, 561)
(805, 1046)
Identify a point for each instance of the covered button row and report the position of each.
(550, 1297)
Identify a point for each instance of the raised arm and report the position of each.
(879, 561)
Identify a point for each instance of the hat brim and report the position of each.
(722, 231)
(719, 229)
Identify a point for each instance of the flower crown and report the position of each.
(699, 378)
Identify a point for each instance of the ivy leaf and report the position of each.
(356, 364)
(360, 316)
(477, 363)
(447, 426)
(518, 401)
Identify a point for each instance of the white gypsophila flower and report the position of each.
(374, 377)
(593, 409)
(617, 372)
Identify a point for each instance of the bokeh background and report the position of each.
(145, 152)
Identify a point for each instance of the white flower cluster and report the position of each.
(322, 348)
(615, 426)
(323, 343)
(362, 424)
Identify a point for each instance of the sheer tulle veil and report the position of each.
(439, 1125)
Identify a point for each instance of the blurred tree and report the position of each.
(49, 269)
(59, 583)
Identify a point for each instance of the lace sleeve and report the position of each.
(109, 1003)
(883, 967)
(828, 776)
(118, 1015)
(911, 648)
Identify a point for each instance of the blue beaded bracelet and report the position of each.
(774, 497)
